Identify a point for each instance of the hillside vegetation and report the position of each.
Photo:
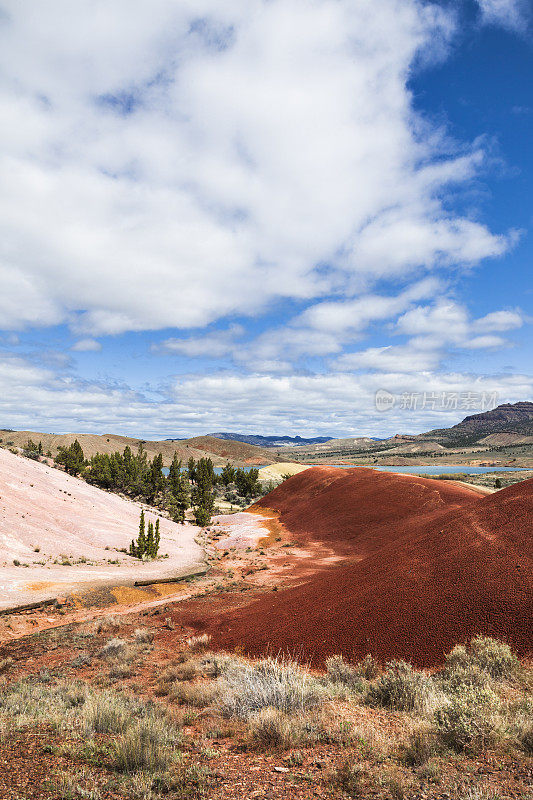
(198, 447)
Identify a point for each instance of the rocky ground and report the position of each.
(116, 694)
(68, 694)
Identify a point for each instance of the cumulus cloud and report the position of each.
(434, 331)
(213, 345)
(390, 359)
(325, 328)
(449, 322)
(335, 403)
(168, 164)
(508, 13)
(86, 346)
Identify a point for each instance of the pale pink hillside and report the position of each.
(48, 516)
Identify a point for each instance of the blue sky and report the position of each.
(255, 217)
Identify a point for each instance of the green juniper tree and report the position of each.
(203, 496)
(227, 475)
(157, 539)
(71, 457)
(147, 544)
(149, 547)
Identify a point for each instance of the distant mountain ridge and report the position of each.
(514, 418)
(270, 441)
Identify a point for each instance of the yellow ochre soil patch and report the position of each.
(39, 586)
(276, 529)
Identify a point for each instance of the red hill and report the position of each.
(425, 565)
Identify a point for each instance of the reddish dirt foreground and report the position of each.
(425, 565)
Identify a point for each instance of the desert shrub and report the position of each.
(143, 636)
(458, 676)
(272, 682)
(147, 744)
(5, 665)
(520, 724)
(340, 672)
(271, 728)
(349, 778)
(419, 748)
(186, 781)
(470, 720)
(494, 657)
(114, 648)
(197, 644)
(402, 688)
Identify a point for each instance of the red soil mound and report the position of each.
(426, 565)
(357, 510)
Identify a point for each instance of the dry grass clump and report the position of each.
(120, 671)
(271, 728)
(147, 744)
(273, 682)
(198, 695)
(402, 688)
(5, 665)
(146, 737)
(185, 780)
(106, 624)
(349, 778)
(107, 712)
(33, 699)
(198, 644)
(520, 724)
(114, 648)
(143, 636)
(421, 746)
(356, 677)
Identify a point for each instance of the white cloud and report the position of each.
(212, 345)
(390, 359)
(167, 164)
(508, 13)
(86, 346)
(499, 321)
(336, 403)
(449, 322)
(325, 328)
(434, 332)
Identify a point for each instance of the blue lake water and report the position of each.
(437, 469)
(433, 469)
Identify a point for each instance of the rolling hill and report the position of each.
(420, 566)
(237, 453)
